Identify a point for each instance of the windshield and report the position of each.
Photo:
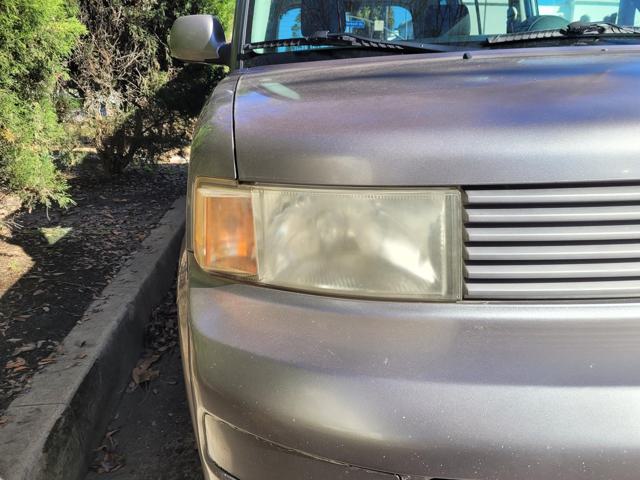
(433, 21)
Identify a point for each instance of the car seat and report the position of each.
(441, 20)
(320, 15)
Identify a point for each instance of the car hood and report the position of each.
(516, 116)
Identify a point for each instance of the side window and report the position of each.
(289, 24)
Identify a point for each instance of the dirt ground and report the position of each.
(54, 263)
(151, 437)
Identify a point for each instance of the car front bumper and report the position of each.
(288, 385)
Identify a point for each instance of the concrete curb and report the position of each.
(52, 428)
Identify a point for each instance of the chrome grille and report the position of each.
(552, 243)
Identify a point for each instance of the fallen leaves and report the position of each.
(51, 358)
(19, 370)
(27, 347)
(18, 376)
(162, 335)
(69, 256)
(17, 365)
(143, 373)
(108, 460)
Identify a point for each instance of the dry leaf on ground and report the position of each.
(27, 347)
(109, 460)
(143, 372)
(17, 364)
(47, 360)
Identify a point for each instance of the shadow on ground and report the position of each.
(151, 436)
(106, 227)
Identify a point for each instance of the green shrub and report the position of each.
(121, 76)
(164, 123)
(27, 134)
(223, 9)
(35, 38)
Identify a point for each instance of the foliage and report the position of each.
(163, 123)
(120, 84)
(223, 9)
(35, 38)
(26, 139)
(125, 74)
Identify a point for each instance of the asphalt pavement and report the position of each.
(151, 435)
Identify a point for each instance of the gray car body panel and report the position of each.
(457, 391)
(213, 146)
(511, 116)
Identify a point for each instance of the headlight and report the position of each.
(375, 243)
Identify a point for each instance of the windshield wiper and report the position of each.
(575, 30)
(325, 38)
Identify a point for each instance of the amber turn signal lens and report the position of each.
(224, 238)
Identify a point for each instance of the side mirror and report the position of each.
(199, 39)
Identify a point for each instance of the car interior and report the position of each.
(437, 19)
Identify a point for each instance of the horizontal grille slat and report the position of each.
(553, 252)
(553, 270)
(626, 193)
(553, 233)
(555, 290)
(547, 215)
(552, 243)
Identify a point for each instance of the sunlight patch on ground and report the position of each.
(54, 234)
(14, 263)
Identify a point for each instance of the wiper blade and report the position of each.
(598, 28)
(572, 31)
(325, 38)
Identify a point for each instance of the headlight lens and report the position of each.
(374, 243)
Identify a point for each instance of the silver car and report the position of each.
(413, 241)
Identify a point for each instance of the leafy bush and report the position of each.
(35, 38)
(125, 74)
(27, 135)
(223, 9)
(121, 79)
(163, 123)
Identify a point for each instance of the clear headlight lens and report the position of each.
(375, 243)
